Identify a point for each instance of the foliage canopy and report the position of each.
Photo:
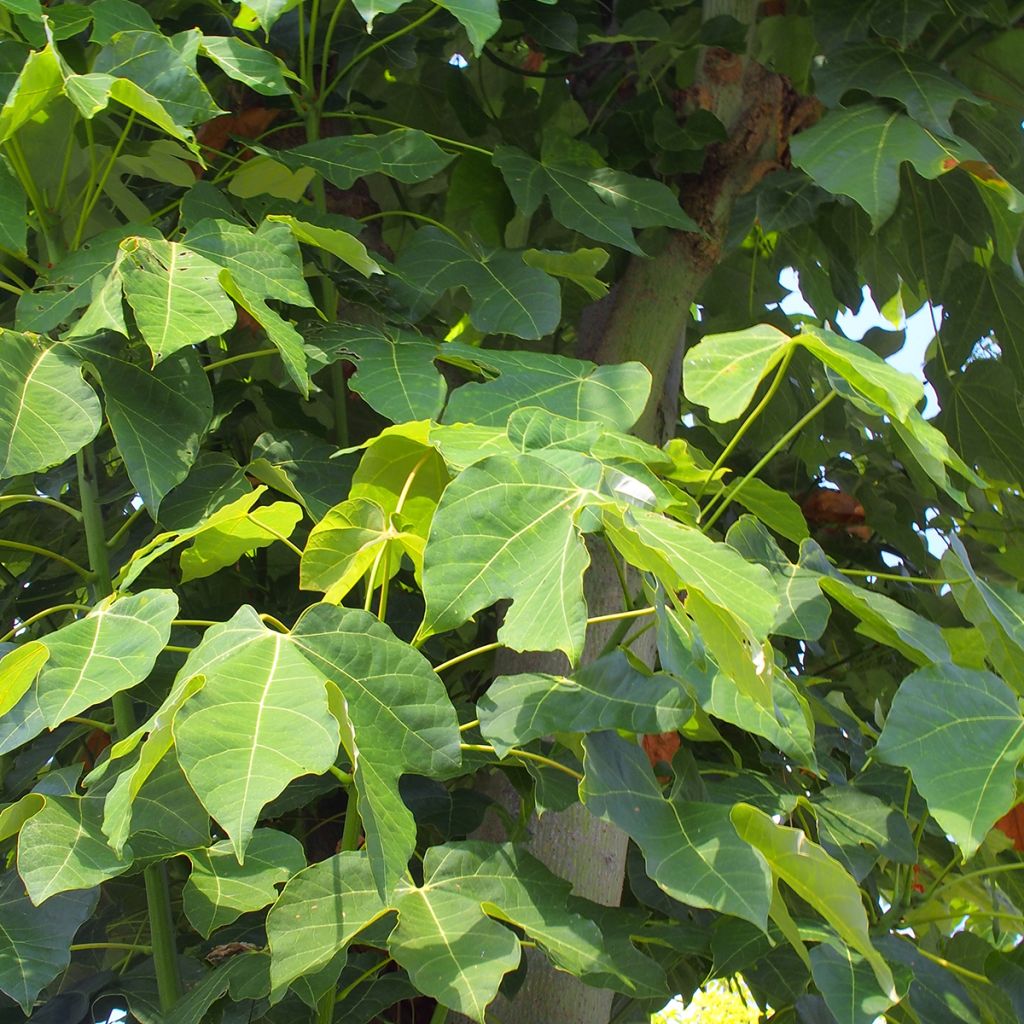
(307, 410)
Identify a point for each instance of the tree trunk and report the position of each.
(645, 319)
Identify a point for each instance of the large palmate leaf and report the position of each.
(395, 371)
(260, 721)
(848, 984)
(723, 371)
(36, 943)
(219, 889)
(401, 718)
(265, 262)
(928, 92)
(609, 693)
(158, 416)
(691, 849)
(342, 244)
(506, 528)
(614, 396)
(260, 70)
(587, 196)
(354, 538)
(47, 411)
(961, 734)
(816, 878)
(165, 71)
(302, 466)
(404, 154)
(506, 295)
(995, 608)
(111, 649)
(175, 293)
(221, 538)
(858, 152)
(320, 911)
(682, 553)
(62, 848)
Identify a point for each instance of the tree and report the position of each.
(416, 502)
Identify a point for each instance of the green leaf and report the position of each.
(320, 911)
(159, 417)
(606, 694)
(479, 18)
(219, 889)
(776, 509)
(38, 84)
(889, 622)
(691, 850)
(960, 733)
(260, 721)
(264, 13)
(353, 538)
(722, 371)
(260, 70)
(401, 716)
(18, 671)
(687, 559)
(37, 940)
(587, 196)
(581, 267)
(506, 528)
(815, 877)
(890, 389)
(265, 263)
(110, 16)
(803, 610)
(214, 481)
(73, 283)
(62, 848)
(928, 92)
(849, 818)
(303, 467)
(996, 609)
(223, 539)
(451, 949)
(507, 296)
(614, 396)
(404, 154)
(13, 211)
(981, 415)
(339, 243)
(112, 649)
(395, 371)
(175, 293)
(848, 984)
(858, 152)
(163, 70)
(281, 334)
(47, 411)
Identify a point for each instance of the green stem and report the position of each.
(466, 726)
(81, 947)
(32, 619)
(373, 119)
(161, 927)
(788, 436)
(955, 968)
(158, 894)
(440, 1014)
(897, 578)
(24, 174)
(372, 48)
(90, 204)
(52, 502)
(353, 823)
(124, 528)
(780, 375)
(325, 53)
(524, 755)
(414, 216)
(466, 655)
(343, 777)
(93, 723)
(980, 873)
(325, 1006)
(259, 353)
(34, 549)
(277, 535)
